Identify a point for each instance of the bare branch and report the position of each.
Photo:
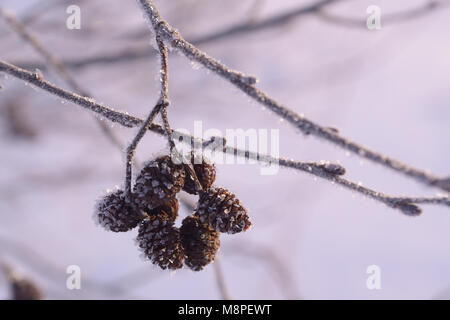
(127, 54)
(144, 52)
(405, 204)
(161, 106)
(132, 147)
(35, 78)
(245, 84)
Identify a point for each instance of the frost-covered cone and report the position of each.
(160, 241)
(220, 209)
(23, 289)
(206, 174)
(170, 208)
(159, 181)
(114, 213)
(200, 243)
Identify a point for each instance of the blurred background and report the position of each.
(386, 89)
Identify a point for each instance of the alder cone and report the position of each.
(221, 210)
(200, 243)
(114, 213)
(169, 208)
(206, 174)
(159, 181)
(160, 241)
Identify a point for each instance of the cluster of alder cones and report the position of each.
(153, 207)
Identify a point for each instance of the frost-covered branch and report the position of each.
(241, 28)
(36, 79)
(132, 147)
(246, 84)
(162, 104)
(326, 171)
(128, 54)
(245, 27)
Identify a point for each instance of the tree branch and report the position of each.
(162, 104)
(238, 29)
(317, 9)
(36, 79)
(321, 170)
(245, 84)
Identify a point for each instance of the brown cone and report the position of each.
(159, 181)
(114, 213)
(220, 209)
(206, 174)
(170, 208)
(160, 242)
(200, 243)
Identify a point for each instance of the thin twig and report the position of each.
(249, 25)
(313, 168)
(221, 283)
(36, 79)
(164, 95)
(162, 104)
(132, 147)
(245, 84)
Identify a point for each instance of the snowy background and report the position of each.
(386, 89)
